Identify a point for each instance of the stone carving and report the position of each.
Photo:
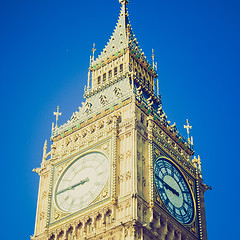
(128, 175)
(44, 194)
(103, 100)
(128, 154)
(42, 215)
(138, 155)
(172, 148)
(144, 182)
(139, 177)
(88, 108)
(117, 91)
(120, 178)
(121, 157)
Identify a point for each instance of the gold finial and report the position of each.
(93, 50)
(188, 127)
(57, 114)
(153, 58)
(124, 2)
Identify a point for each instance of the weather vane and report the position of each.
(57, 114)
(188, 127)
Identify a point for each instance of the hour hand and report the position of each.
(171, 189)
(168, 186)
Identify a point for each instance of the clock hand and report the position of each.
(168, 186)
(171, 189)
(80, 183)
(73, 186)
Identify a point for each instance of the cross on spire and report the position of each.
(93, 50)
(57, 114)
(188, 127)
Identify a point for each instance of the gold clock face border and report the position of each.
(72, 161)
(186, 180)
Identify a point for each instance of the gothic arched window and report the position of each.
(121, 68)
(104, 77)
(115, 71)
(99, 80)
(110, 74)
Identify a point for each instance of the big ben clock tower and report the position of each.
(118, 169)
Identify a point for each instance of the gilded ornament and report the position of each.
(105, 193)
(56, 215)
(106, 146)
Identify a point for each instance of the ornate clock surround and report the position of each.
(104, 147)
(192, 227)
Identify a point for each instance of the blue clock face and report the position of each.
(174, 190)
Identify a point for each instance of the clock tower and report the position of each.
(118, 169)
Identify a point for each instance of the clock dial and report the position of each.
(82, 182)
(174, 190)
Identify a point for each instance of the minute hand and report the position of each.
(168, 186)
(171, 189)
(73, 186)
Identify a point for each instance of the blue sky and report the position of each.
(44, 57)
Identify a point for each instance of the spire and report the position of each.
(121, 39)
(118, 40)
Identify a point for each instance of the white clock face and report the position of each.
(174, 190)
(82, 182)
